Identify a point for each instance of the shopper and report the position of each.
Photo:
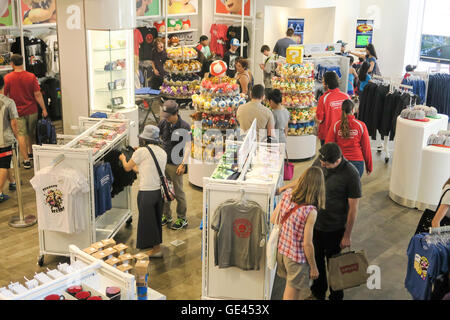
(150, 202)
(352, 75)
(343, 46)
(295, 256)
(231, 56)
(352, 137)
(158, 58)
(175, 136)
(204, 47)
(334, 225)
(244, 77)
(8, 133)
(443, 213)
(330, 103)
(363, 76)
(23, 87)
(268, 68)
(280, 114)
(248, 112)
(409, 69)
(371, 58)
(282, 44)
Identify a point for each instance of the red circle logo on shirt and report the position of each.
(242, 228)
(149, 38)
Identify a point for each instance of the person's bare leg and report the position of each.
(290, 293)
(11, 177)
(23, 147)
(3, 177)
(29, 145)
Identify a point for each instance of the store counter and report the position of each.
(434, 173)
(410, 139)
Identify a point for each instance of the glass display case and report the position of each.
(111, 65)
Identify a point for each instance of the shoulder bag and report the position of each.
(167, 190)
(428, 216)
(348, 270)
(272, 244)
(288, 169)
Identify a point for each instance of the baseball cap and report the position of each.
(170, 108)
(410, 68)
(150, 133)
(235, 42)
(330, 153)
(342, 42)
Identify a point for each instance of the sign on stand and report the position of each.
(246, 147)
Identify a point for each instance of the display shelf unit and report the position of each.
(84, 159)
(177, 32)
(234, 283)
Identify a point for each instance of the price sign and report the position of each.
(294, 55)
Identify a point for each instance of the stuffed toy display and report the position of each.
(40, 11)
(160, 26)
(186, 24)
(171, 24)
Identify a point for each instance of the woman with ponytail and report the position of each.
(353, 138)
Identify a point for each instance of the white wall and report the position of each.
(347, 13)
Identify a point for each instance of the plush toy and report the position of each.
(39, 12)
(218, 68)
(160, 26)
(174, 41)
(186, 24)
(171, 23)
(178, 25)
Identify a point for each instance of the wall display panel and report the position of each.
(299, 28)
(232, 7)
(364, 33)
(37, 11)
(148, 8)
(6, 13)
(182, 7)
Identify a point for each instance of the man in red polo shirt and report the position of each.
(23, 87)
(329, 108)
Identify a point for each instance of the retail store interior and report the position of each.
(107, 87)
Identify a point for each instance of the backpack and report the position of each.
(45, 132)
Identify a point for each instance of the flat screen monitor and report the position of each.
(299, 28)
(435, 49)
(364, 33)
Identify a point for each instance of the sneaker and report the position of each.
(165, 220)
(12, 186)
(30, 156)
(4, 197)
(179, 224)
(27, 165)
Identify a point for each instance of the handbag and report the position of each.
(428, 216)
(348, 270)
(272, 243)
(288, 169)
(167, 189)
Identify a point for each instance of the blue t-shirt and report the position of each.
(425, 263)
(373, 59)
(103, 180)
(351, 78)
(362, 84)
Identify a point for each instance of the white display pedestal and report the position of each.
(301, 147)
(435, 172)
(198, 170)
(410, 139)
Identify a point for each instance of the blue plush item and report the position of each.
(99, 115)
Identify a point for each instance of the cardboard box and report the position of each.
(98, 245)
(110, 252)
(127, 259)
(90, 250)
(141, 272)
(141, 256)
(125, 268)
(114, 262)
(100, 255)
(121, 249)
(109, 243)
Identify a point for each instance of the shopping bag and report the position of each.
(348, 270)
(167, 189)
(428, 216)
(288, 169)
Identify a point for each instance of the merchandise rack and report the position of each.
(84, 160)
(233, 283)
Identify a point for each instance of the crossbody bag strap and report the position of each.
(161, 176)
(442, 198)
(286, 217)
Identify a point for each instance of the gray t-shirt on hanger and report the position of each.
(281, 118)
(241, 228)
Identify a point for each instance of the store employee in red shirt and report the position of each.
(352, 137)
(23, 87)
(329, 106)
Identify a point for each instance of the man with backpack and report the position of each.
(23, 87)
(8, 132)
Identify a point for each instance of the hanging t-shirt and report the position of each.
(138, 39)
(425, 263)
(241, 230)
(57, 199)
(218, 39)
(52, 54)
(103, 180)
(35, 55)
(148, 35)
(122, 178)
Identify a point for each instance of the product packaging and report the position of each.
(90, 250)
(121, 249)
(126, 259)
(141, 256)
(114, 262)
(109, 243)
(100, 255)
(125, 268)
(98, 245)
(110, 252)
(141, 272)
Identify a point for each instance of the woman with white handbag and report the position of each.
(295, 216)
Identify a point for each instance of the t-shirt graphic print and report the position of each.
(54, 198)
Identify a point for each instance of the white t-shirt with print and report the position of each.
(148, 174)
(58, 199)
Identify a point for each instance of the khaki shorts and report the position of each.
(296, 274)
(27, 125)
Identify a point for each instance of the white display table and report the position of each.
(197, 170)
(435, 172)
(410, 139)
(301, 147)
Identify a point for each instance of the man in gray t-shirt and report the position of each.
(8, 132)
(282, 44)
(241, 230)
